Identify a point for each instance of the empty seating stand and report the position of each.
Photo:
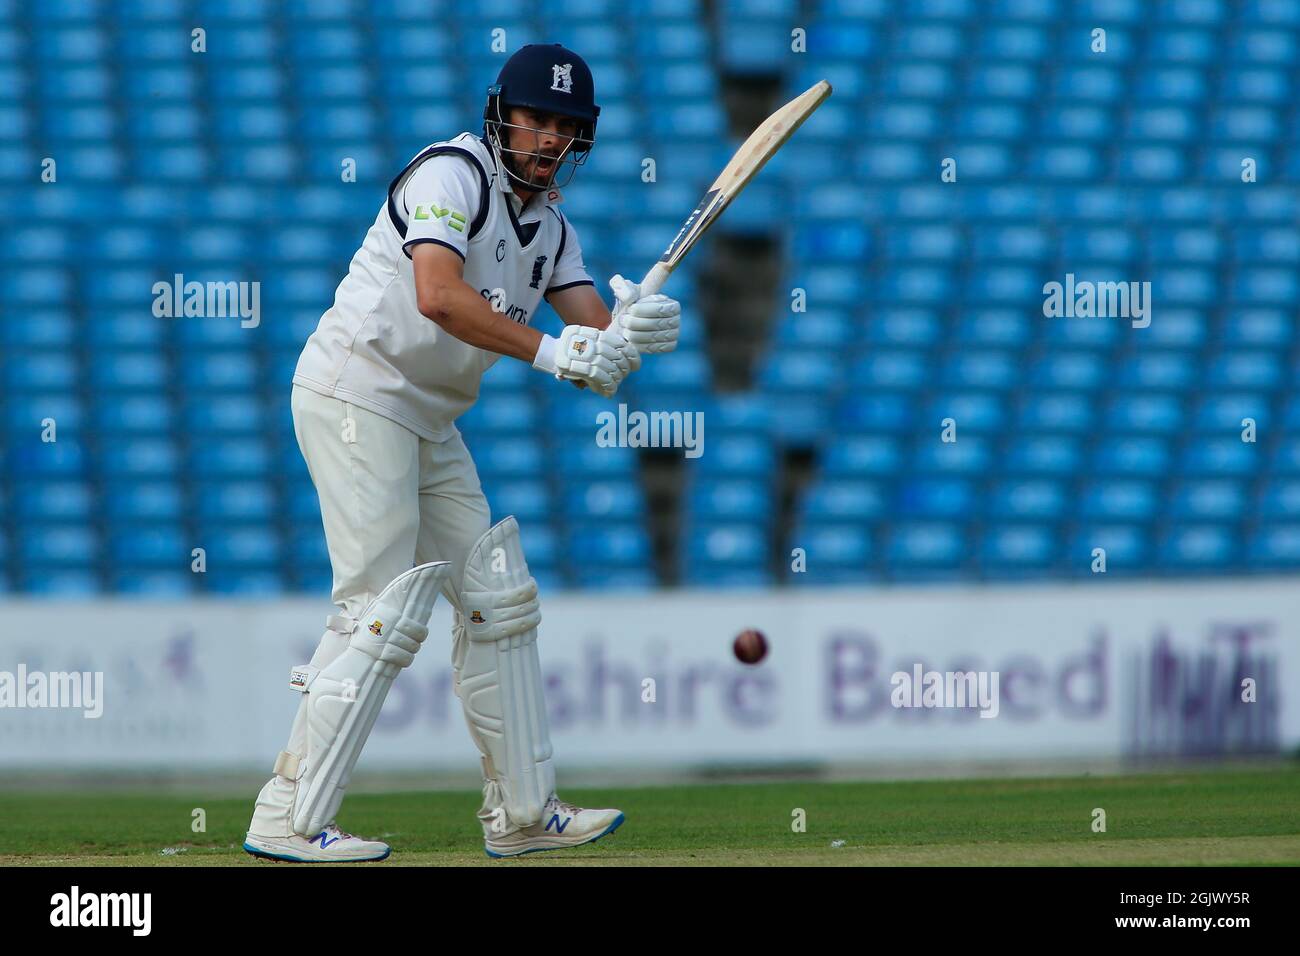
(951, 430)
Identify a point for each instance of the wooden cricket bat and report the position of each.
(770, 136)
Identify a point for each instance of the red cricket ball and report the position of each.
(750, 646)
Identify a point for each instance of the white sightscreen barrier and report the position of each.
(1092, 671)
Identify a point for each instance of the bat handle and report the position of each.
(655, 279)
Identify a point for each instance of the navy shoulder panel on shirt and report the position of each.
(485, 196)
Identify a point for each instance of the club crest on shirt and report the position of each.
(537, 271)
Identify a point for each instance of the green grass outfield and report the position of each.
(1218, 817)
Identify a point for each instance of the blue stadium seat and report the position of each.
(924, 546)
(129, 500)
(234, 501)
(526, 499)
(141, 457)
(1034, 499)
(892, 370)
(1228, 412)
(729, 544)
(499, 415)
(157, 545)
(728, 499)
(1275, 547)
(55, 501)
(968, 455)
(611, 545)
(860, 456)
(844, 500)
(225, 415)
(1118, 501)
(593, 578)
(587, 460)
(306, 546)
(1208, 499)
(258, 583)
(833, 546)
(935, 498)
(138, 583)
(1019, 548)
(1043, 455)
(26, 413)
(53, 582)
(1128, 548)
(1279, 500)
(47, 546)
(1221, 457)
(234, 457)
(231, 547)
(606, 500)
(1057, 412)
(923, 298)
(1285, 458)
(740, 456)
(1200, 547)
(515, 457)
(1135, 456)
(1155, 414)
(993, 327)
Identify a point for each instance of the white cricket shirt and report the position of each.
(373, 347)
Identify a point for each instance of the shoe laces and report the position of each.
(333, 828)
(568, 808)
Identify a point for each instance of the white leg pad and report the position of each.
(344, 698)
(499, 679)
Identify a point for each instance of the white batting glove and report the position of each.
(628, 357)
(652, 323)
(594, 357)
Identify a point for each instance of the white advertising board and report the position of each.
(1089, 671)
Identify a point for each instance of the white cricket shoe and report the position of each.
(331, 845)
(562, 825)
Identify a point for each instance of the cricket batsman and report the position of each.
(469, 240)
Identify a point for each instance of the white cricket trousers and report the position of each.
(389, 500)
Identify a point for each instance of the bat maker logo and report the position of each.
(701, 215)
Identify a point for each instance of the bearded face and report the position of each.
(534, 142)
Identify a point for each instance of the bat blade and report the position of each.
(762, 144)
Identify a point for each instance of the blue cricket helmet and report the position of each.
(551, 78)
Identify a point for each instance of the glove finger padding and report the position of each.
(628, 358)
(633, 355)
(654, 306)
(638, 324)
(653, 335)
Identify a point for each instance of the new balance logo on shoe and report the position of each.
(555, 821)
(325, 839)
